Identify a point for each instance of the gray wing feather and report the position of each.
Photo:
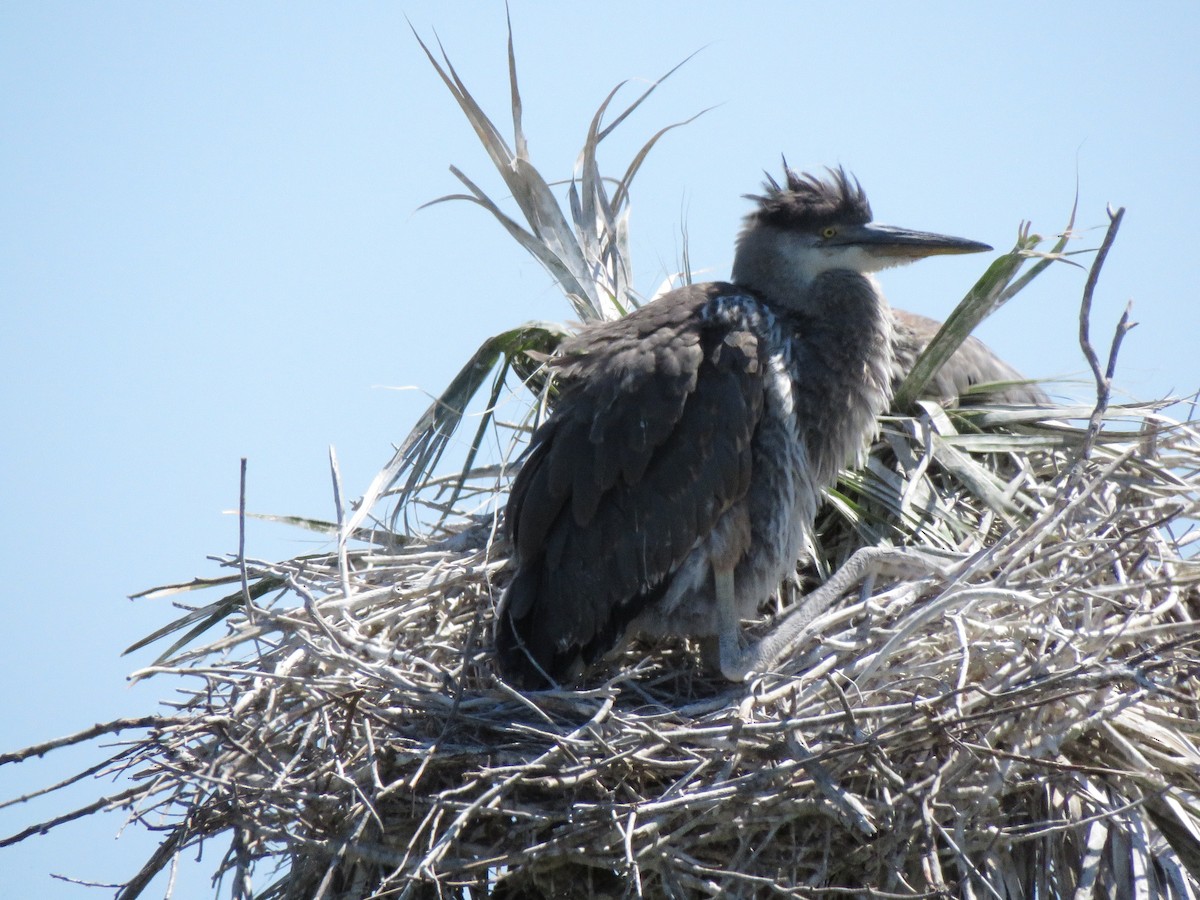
(648, 445)
(965, 375)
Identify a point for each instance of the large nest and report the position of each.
(1025, 723)
(1029, 726)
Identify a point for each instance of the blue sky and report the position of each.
(210, 248)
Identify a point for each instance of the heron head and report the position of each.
(809, 225)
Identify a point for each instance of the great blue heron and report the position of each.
(672, 488)
(974, 374)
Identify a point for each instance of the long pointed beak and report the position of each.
(902, 243)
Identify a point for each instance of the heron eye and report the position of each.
(828, 232)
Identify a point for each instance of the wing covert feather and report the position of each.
(649, 444)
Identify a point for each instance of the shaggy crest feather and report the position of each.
(808, 200)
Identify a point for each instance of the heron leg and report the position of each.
(729, 633)
(793, 628)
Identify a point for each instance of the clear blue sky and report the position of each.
(209, 248)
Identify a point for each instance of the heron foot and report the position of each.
(794, 628)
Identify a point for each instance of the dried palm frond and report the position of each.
(1028, 727)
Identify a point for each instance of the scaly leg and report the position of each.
(729, 629)
(793, 628)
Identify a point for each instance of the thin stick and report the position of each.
(96, 806)
(246, 598)
(343, 562)
(1103, 377)
(91, 732)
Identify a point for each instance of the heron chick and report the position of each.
(674, 485)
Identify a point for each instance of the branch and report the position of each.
(1103, 377)
(113, 727)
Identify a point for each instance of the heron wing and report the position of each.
(963, 379)
(648, 446)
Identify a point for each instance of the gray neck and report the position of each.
(844, 352)
(841, 341)
(775, 263)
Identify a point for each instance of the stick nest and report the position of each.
(1026, 727)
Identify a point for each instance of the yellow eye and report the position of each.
(828, 232)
